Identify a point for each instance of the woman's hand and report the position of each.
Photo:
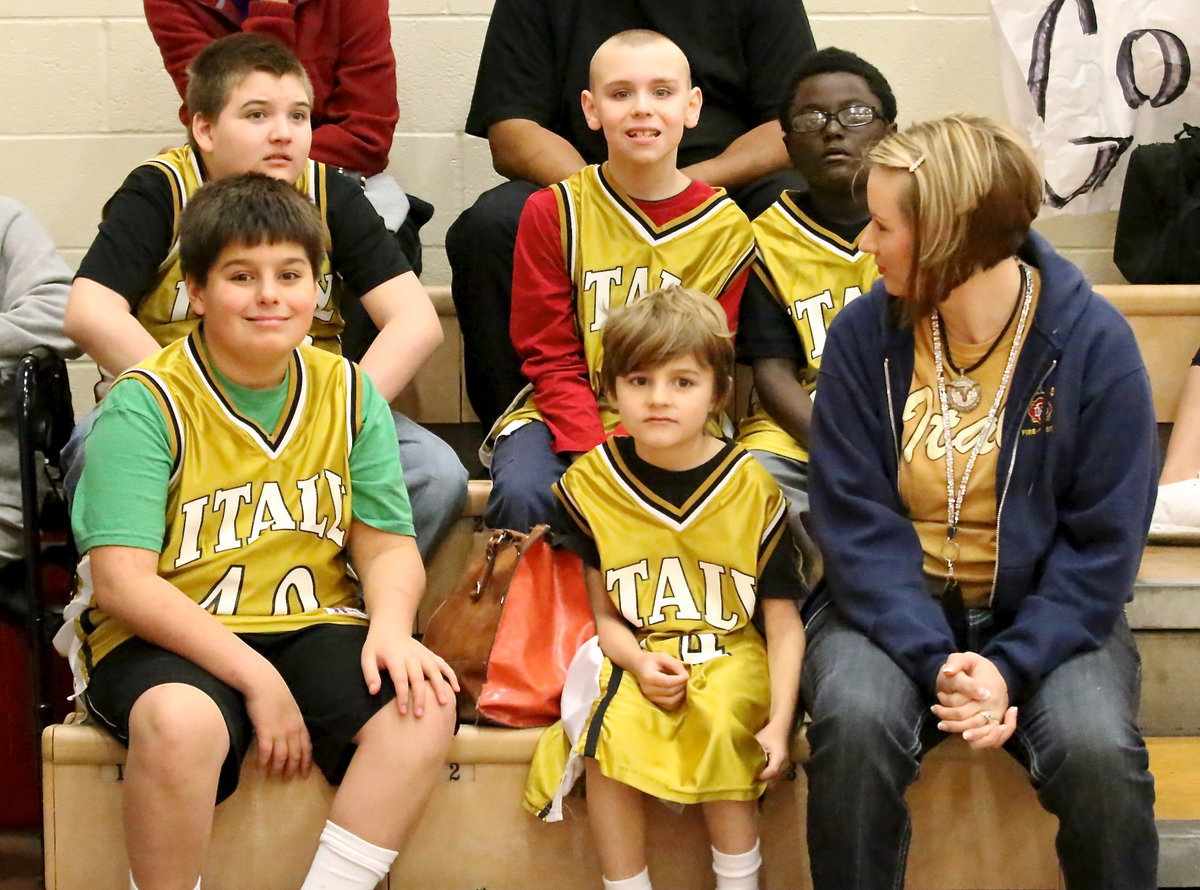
(663, 679)
(411, 666)
(973, 701)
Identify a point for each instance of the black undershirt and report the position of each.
(534, 63)
(135, 236)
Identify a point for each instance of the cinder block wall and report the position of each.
(83, 98)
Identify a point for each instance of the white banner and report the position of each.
(1087, 80)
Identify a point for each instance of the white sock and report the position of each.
(737, 871)
(345, 861)
(640, 881)
(134, 886)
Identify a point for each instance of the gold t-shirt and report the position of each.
(923, 458)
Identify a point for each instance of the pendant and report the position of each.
(952, 594)
(963, 394)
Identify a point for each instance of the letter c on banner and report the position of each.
(1043, 38)
(1177, 69)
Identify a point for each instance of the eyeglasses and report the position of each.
(850, 116)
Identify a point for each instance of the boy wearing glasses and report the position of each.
(808, 264)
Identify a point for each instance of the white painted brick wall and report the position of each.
(83, 98)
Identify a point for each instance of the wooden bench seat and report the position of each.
(475, 834)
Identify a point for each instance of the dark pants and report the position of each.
(1076, 735)
(524, 466)
(479, 247)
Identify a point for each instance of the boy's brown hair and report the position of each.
(248, 209)
(973, 191)
(227, 61)
(668, 323)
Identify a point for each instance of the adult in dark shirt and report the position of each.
(526, 104)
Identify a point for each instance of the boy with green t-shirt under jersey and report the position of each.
(233, 480)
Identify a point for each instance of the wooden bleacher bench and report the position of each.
(1166, 321)
(475, 836)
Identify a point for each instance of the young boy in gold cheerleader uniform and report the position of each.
(685, 539)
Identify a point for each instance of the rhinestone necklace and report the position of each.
(964, 393)
(954, 499)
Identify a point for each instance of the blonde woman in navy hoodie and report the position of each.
(976, 589)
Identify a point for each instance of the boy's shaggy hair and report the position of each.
(665, 324)
(972, 191)
(249, 209)
(227, 61)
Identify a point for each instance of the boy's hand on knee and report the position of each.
(663, 679)
(411, 666)
(284, 748)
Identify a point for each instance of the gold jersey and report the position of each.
(613, 253)
(685, 578)
(687, 573)
(164, 310)
(256, 519)
(813, 273)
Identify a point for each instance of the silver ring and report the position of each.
(988, 716)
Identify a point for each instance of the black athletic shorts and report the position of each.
(321, 666)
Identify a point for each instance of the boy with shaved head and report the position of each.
(597, 240)
(534, 64)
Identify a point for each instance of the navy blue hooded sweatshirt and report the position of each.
(1076, 480)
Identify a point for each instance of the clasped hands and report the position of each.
(973, 701)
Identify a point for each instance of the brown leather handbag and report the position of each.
(511, 628)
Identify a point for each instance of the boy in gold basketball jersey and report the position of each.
(685, 539)
(233, 479)
(588, 244)
(250, 101)
(808, 262)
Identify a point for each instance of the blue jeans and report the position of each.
(524, 466)
(433, 475)
(435, 479)
(1076, 735)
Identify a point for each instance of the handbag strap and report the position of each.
(499, 540)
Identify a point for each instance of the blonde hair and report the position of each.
(972, 192)
(665, 324)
